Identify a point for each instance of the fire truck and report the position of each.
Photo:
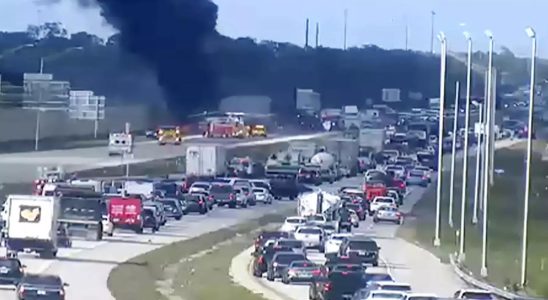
(230, 127)
(48, 175)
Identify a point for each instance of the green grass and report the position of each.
(137, 278)
(505, 215)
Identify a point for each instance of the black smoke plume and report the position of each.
(171, 36)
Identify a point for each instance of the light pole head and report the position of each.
(489, 34)
(530, 32)
(442, 37)
(467, 35)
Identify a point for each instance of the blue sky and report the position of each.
(369, 22)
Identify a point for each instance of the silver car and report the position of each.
(296, 245)
(417, 177)
(388, 214)
(262, 195)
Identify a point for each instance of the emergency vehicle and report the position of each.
(230, 127)
(47, 175)
(169, 135)
(120, 143)
(257, 130)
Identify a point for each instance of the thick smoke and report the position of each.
(171, 36)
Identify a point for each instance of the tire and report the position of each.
(322, 249)
(257, 273)
(375, 220)
(269, 276)
(231, 205)
(110, 233)
(139, 230)
(178, 218)
(203, 211)
(375, 264)
(349, 229)
(243, 205)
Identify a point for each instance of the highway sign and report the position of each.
(84, 105)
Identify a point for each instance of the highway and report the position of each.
(404, 261)
(87, 265)
(75, 265)
(22, 167)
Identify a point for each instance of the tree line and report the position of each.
(243, 66)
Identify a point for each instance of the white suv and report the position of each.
(381, 201)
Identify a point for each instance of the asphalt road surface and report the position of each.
(405, 262)
(22, 167)
(86, 266)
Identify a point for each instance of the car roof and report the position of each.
(295, 218)
(388, 292)
(202, 182)
(392, 283)
(287, 253)
(421, 295)
(474, 291)
(341, 235)
(309, 227)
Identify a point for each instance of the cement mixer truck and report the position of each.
(327, 165)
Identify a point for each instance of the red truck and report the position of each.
(126, 213)
(374, 189)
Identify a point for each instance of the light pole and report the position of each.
(487, 154)
(13, 50)
(531, 33)
(55, 56)
(453, 154)
(477, 185)
(464, 196)
(40, 95)
(432, 16)
(443, 62)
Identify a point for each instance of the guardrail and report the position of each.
(470, 280)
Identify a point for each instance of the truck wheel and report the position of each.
(139, 230)
(178, 218)
(231, 205)
(110, 233)
(349, 229)
(244, 205)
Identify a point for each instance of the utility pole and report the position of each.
(433, 16)
(345, 27)
(317, 34)
(306, 34)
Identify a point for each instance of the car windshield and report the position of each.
(378, 277)
(302, 264)
(388, 296)
(384, 200)
(477, 296)
(8, 263)
(294, 221)
(260, 184)
(286, 259)
(338, 237)
(169, 204)
(259, 191)
(309, 231)
(364, 245)
(200, 186)
(353, 206)
(417, 173)
(399, 288)
(221, 188)
(290, 243)
(42, 280)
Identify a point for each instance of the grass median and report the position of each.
(192, 269)
(505, 218)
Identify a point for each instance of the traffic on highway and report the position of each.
(346, 192)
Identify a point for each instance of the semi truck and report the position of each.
(32, 223)
(345, 151)
(205, 160)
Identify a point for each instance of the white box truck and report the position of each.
(372, 140)
(205, 160)
(32, 224)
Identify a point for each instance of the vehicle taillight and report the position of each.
(402, 184)
(327, 287)
(398, 214)
(261, 259)
(201, 202)
(344, 273)
(231, 196)
(210, 197)
(317, 272)
(424, 177)
(21, 291)
(138, 217)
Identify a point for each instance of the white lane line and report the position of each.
(387, 265)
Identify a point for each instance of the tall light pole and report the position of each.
(487, 154)
(453, 154)
(464, 195)
(531, 33)
(443, 63)
(40, 95)
(345, 27)
(432, 18)
(477, 184)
